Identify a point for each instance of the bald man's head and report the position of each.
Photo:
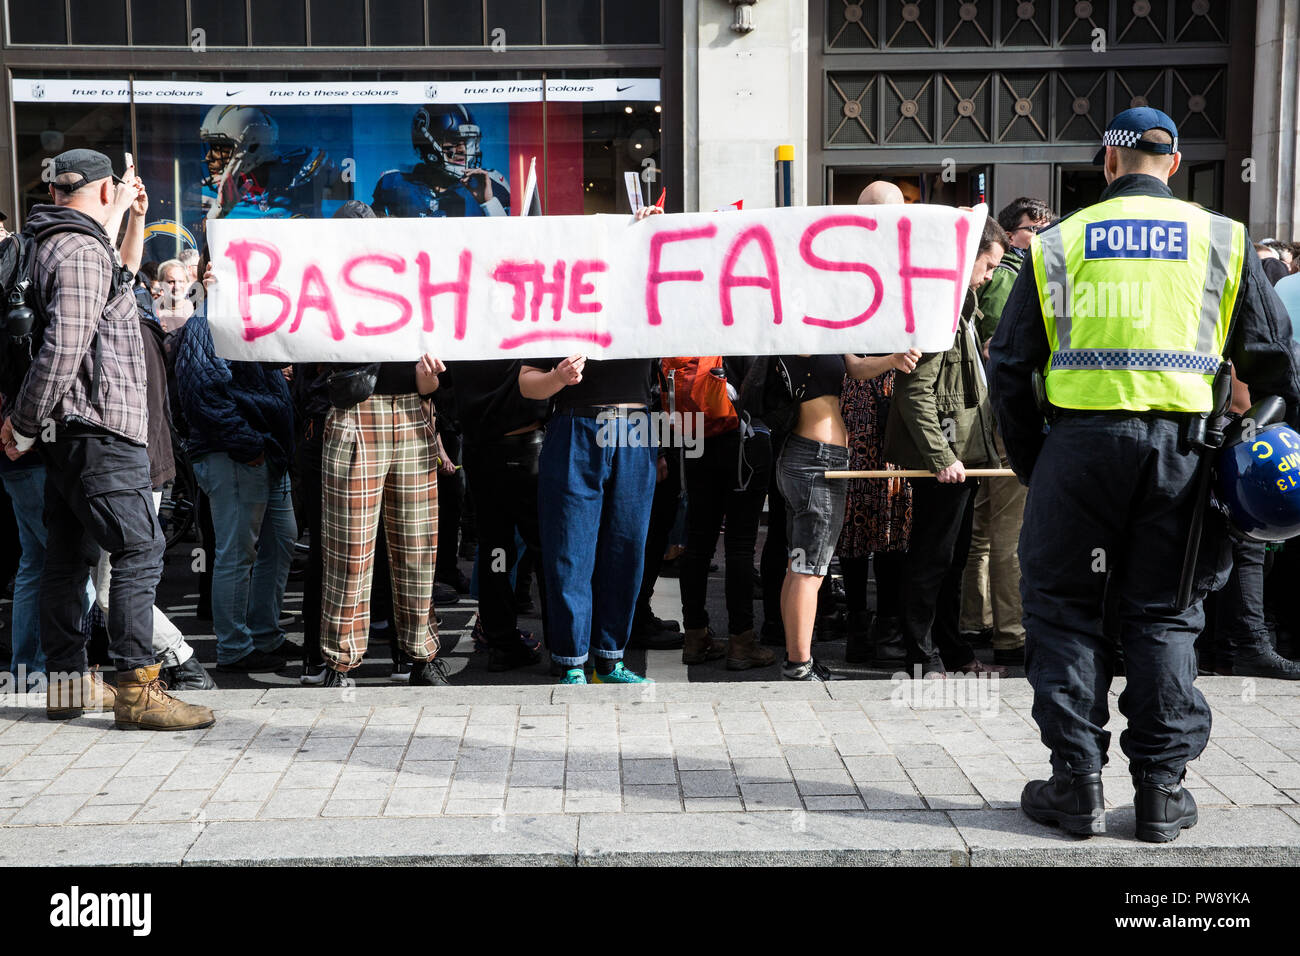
(881, 193)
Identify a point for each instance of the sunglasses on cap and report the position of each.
(73, 187)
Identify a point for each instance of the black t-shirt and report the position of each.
(488, 401)
(817, 374)
(611, 382)
(396, 378)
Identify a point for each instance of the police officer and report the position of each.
(1128, 310)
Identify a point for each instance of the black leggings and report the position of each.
(714, 494)
(888, 567)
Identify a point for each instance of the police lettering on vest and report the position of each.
(1136, 294)
(1136, 239)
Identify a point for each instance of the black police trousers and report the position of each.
(98, 495)
(1109, 505)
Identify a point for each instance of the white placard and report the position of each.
(796, 280)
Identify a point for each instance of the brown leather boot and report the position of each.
(70, 697)
(743, 652)
(144, 704)
(700, 647)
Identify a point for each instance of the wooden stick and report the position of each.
(918, 473)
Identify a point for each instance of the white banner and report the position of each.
(612, 89)
(825, 279)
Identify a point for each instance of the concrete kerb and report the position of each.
(1224, 836)
(543, 840)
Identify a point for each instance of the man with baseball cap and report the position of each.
(85, 398)
(1117, 335)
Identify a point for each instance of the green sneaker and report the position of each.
(574, 675)
(619, 675)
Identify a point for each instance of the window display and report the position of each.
(214, 150)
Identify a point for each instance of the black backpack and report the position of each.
(768, 394)
(23, 319)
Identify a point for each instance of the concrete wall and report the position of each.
(1275, 140)
(746, 94)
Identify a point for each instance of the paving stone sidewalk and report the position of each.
(862, 772)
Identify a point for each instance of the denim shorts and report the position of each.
(814, 504)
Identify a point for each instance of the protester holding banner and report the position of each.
(940, 421)
(815, 503)
(503, 439)
(726, 482)
(380, 455)
(595, 487)
(877, 512)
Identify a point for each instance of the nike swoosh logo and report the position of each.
(620, 89)
(236, 93)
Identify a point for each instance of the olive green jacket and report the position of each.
(994, 293)
(940, 412)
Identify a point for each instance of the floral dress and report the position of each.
(878, 514)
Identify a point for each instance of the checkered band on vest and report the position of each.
(1138, 360)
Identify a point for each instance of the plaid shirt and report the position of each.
(74, 275)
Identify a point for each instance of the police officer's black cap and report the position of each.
(1127, 128)
(90, 164)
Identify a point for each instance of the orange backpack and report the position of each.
(697, 389)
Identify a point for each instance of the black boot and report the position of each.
(1260, 660)
(858, 648)
(1163, 811)
(773, 633)
(886, 639)
(188, 676)
(1074, 803)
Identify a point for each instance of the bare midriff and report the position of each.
(820, 420)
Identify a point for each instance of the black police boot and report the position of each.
(886, 638)
(1163, 811)
(1260, 660)
(1074, 802)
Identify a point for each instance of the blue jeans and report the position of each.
(593, 516)
(252, 515)
(26, 488)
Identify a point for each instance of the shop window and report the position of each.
(339, 22)
(631, 23)
(97, 22)
(520, 19)
(222, 22)
(158, 23)
(279, 23)
(401, 23)
(572, 22)
(436, 159)
(36, 23)
(43, 130)
(456, 23)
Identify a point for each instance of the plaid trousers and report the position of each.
(378, 454)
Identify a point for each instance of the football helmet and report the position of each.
(447, 140)
(238, 139)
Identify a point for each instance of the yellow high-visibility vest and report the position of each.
(1137, 293)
